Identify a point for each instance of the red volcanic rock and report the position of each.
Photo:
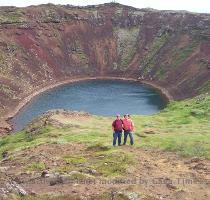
(44, 45)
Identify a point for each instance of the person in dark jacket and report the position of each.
(117, 127)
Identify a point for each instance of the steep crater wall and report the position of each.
(44, 45)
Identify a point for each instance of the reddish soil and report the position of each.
(42, 46)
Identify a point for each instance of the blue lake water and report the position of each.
(99, 97)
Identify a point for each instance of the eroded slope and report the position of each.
(43, 45)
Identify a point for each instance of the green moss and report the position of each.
(82, 56)
(4, 68)
(49, 15)
(13, 16)
(180, 55)
(128, 58)
(204, 88)
(1, 58)
(161, 73)
(126, 45)
(7, 91)
(149, 60)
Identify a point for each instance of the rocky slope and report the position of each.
(43, 45)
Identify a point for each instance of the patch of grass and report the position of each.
(109, 163)
(64, 169)
(20, 141)
(98, 147)
(78, 176)
(112, 164)
(75, 159)
(183, 127)
(35, 166)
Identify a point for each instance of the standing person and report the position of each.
(117, 127)
(128, 127)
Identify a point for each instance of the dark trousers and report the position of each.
(117, 135)
(126, 133)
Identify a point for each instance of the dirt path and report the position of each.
(168, 176)
(157, 175)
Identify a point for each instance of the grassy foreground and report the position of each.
(79, 146)
(182, 127)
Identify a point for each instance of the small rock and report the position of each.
(32, 193)
(5, 154)
(101, 156)
(14, 187)
(17, 180)
(195, 159)
(92, 171)
(19, 33)
(171, 187)
(133, 196)
(74, 172)
(199, 166)
(3, 193)
(150, 131)
(45, 173)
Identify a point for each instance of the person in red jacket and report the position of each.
(117, 127)
(128, 127)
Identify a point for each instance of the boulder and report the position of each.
(13, 187)
(45, 173)
(4, 154)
